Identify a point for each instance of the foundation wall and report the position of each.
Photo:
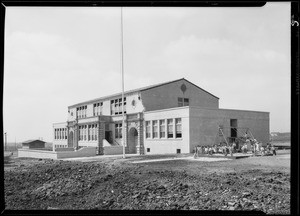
(83, 152)
(113, 150)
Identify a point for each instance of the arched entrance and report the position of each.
(70, 139)
(132, 140)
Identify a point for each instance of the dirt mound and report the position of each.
(120, 185)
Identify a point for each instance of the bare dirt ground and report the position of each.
(255, 183)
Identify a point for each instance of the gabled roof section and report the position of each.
(138, 90)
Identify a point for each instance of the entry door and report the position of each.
(233, 126)
(108, 136)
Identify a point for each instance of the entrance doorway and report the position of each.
(108, 137)
(233, 129)
(70, 139)
(132, 141)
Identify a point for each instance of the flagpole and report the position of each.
(122, 71)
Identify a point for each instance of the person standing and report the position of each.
(233, 147)
(195, 155)
(273, 150)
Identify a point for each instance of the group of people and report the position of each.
(229, 148)
(256, 147)
(221, 148)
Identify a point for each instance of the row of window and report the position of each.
(88, 132)
(60, 133)
(116, 106)
(81, 111)
(163, 128)
(97, 108)
(60, 146)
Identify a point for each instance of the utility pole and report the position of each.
(122, 71)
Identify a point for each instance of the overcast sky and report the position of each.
(56, 57)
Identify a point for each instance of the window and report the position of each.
(162, 128)
(84, 132)
(180, 102)
(170, 128)
(80, 133)
(155, 129)
(112, 107)
(81, 111)
(183, 102)
(66, 133)
(148, 129)
(118, 131)
(92, 132)
(116, 106)
(178, 151)
(54, 133)
(148, 149)
(178, 128)
(89, 132)
(96, 132)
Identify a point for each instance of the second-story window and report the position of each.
(81, 111)
(116, 106)
(97, 108)
(183, 102)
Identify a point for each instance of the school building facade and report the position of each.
(171, 117)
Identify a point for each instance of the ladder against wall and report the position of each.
(242, 135)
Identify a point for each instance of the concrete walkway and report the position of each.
(98, 157)
(207, 159)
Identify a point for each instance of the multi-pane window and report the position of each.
(96, 132)
(155, 129)
(97, 108)
(170, 128)
(178, 128)
(93, 132)
(60, 133)
(89, 132)
(118, 131)
(180, 102)
(81, 111)
(148, 133)
(116, 106)
(84, 132)
(186, 102)
(80, 133)
(162, 129)
(183, 102)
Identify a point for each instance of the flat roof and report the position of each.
(137, 90)
(30, 141)
(227, 109)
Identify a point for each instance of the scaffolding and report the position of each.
(241, 135)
